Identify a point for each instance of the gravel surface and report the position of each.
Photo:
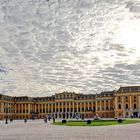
(38, 130)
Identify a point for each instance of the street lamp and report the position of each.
(12, 112)
(6, 111)
(6, 121)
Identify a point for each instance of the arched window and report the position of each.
(126, 106)
(111, 108)
(79, 109)
(119, 106)
(90, 109)
(103, 108)
(134, 98)
(126, 98)
(135, 106)
(119, 99)
(107, 108)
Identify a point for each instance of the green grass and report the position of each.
(97, 123)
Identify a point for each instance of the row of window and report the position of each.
(67, 110)
(64, 96)
(126, 106)
(105, 109)
(126, 99)
(53, 104)
(131, 89)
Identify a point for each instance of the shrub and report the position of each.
(119, 120)
(88, 121)
(64, 121)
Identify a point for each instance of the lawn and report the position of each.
(94, 123)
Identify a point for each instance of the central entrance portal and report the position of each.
(135, 114)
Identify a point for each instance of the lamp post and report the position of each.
(7, 108)
(12, 114)
(6, 120)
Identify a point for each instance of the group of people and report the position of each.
(48, 119)
(45, 120)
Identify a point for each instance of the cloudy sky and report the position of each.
(86, 46)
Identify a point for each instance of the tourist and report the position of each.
(53, 120)
(11, 120)
(25, 120)
(45, 120)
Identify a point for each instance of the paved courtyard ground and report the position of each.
(38, 130)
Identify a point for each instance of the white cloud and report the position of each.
(49, 47)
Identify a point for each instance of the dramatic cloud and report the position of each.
(50, 46)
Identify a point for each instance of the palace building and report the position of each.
(125, 102)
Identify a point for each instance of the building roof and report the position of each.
(129, 89)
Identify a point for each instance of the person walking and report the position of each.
(45, 120)
(53, 120)
(11, 120)
(25, 120)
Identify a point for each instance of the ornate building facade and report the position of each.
(125, 102)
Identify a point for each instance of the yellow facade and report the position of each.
(122, 103)
(127, 102)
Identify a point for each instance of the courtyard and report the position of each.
(38, 130)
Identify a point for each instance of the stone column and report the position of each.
(88, 105)
(100, 105)
(123, 108)
(77, 107)
(105, 105)
(62, 107)
(84, 106)
(54, 107)
(116, 107)
(66, 106)
(130, 102)
(35, 107)
(15, 108)
(139, 104)
(2, 110)
(73, 106)
(109, 104)
(2, 107)
(92, 105)
(25, 108)
(139, 101)
(69, 108)
(22, 108)
(96, 105)
(42, 107)
(58, 109)
(29, 108)
(116, 103)
(45, 108)
(131, 109)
